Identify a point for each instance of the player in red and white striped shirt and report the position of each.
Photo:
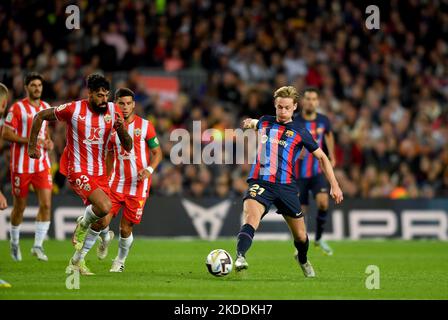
(3, 102)
(26, 171)
(89, 127)
(3, 202)
(130, 180)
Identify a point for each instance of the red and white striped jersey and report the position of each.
(128, 164)
(87, 135)
(20, 119)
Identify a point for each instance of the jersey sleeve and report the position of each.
(327, 125)
(12, 118)
(260, 121)
(151, 136)
(308, 142)
(64, 112)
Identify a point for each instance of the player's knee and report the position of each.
(19, 208)
(45, 207)
(301, 236)
(125, 231)
(99, 225)
(322, 206)
(105, 206)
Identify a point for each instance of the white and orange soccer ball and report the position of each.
(219, 262)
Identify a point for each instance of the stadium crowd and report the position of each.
(385, 91)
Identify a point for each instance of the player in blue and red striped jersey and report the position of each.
(272, 180)
(308, 169)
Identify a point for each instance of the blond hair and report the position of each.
(3, 94)
(287, 92)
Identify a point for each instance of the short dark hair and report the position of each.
(33, 76)
(124, 92)
(96, 81)
(311, 89)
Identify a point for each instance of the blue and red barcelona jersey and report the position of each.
(278, 150)
(309, 166)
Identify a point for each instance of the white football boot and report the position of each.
(103, 247)
(117, 266)
(241, 264)
(307, 267)
(16, 254)
(39, 253)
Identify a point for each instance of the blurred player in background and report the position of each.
(89, 127)
(308, 168)
(3, 202)
(130, 178)
(271, 179)
(26, 170)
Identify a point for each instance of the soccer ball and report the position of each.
(219, 262)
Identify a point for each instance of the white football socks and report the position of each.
(124, 244)
(41, 232)
(89, 217)
(14, 233)
(104, 234)
(90, 240)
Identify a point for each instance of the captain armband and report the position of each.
(153, 143)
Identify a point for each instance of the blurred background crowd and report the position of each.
(385, 91)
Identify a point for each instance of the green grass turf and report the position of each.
(171, 269)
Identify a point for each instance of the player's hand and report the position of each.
(247, 123)
(48, 144)
(143, 174)
(33, 152)
(336, 194)
(3, 202)
(119, 121)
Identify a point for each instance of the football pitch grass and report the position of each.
(175, 269)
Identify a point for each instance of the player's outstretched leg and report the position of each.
(77, 261)
(82, 225)
(244, 242)
(79, 266)
(252, 211)
(124, 245)
(105, 239)
(302, 259)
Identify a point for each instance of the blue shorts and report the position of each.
(283, 196)
(316, 184)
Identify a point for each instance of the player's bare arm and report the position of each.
(250, 123)
(335, 192)
(329, 141)
(48, 142)
(11, 136)
(125, 138)
(47, 114)
(156, 157)
(109, 162)
(3, 202)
